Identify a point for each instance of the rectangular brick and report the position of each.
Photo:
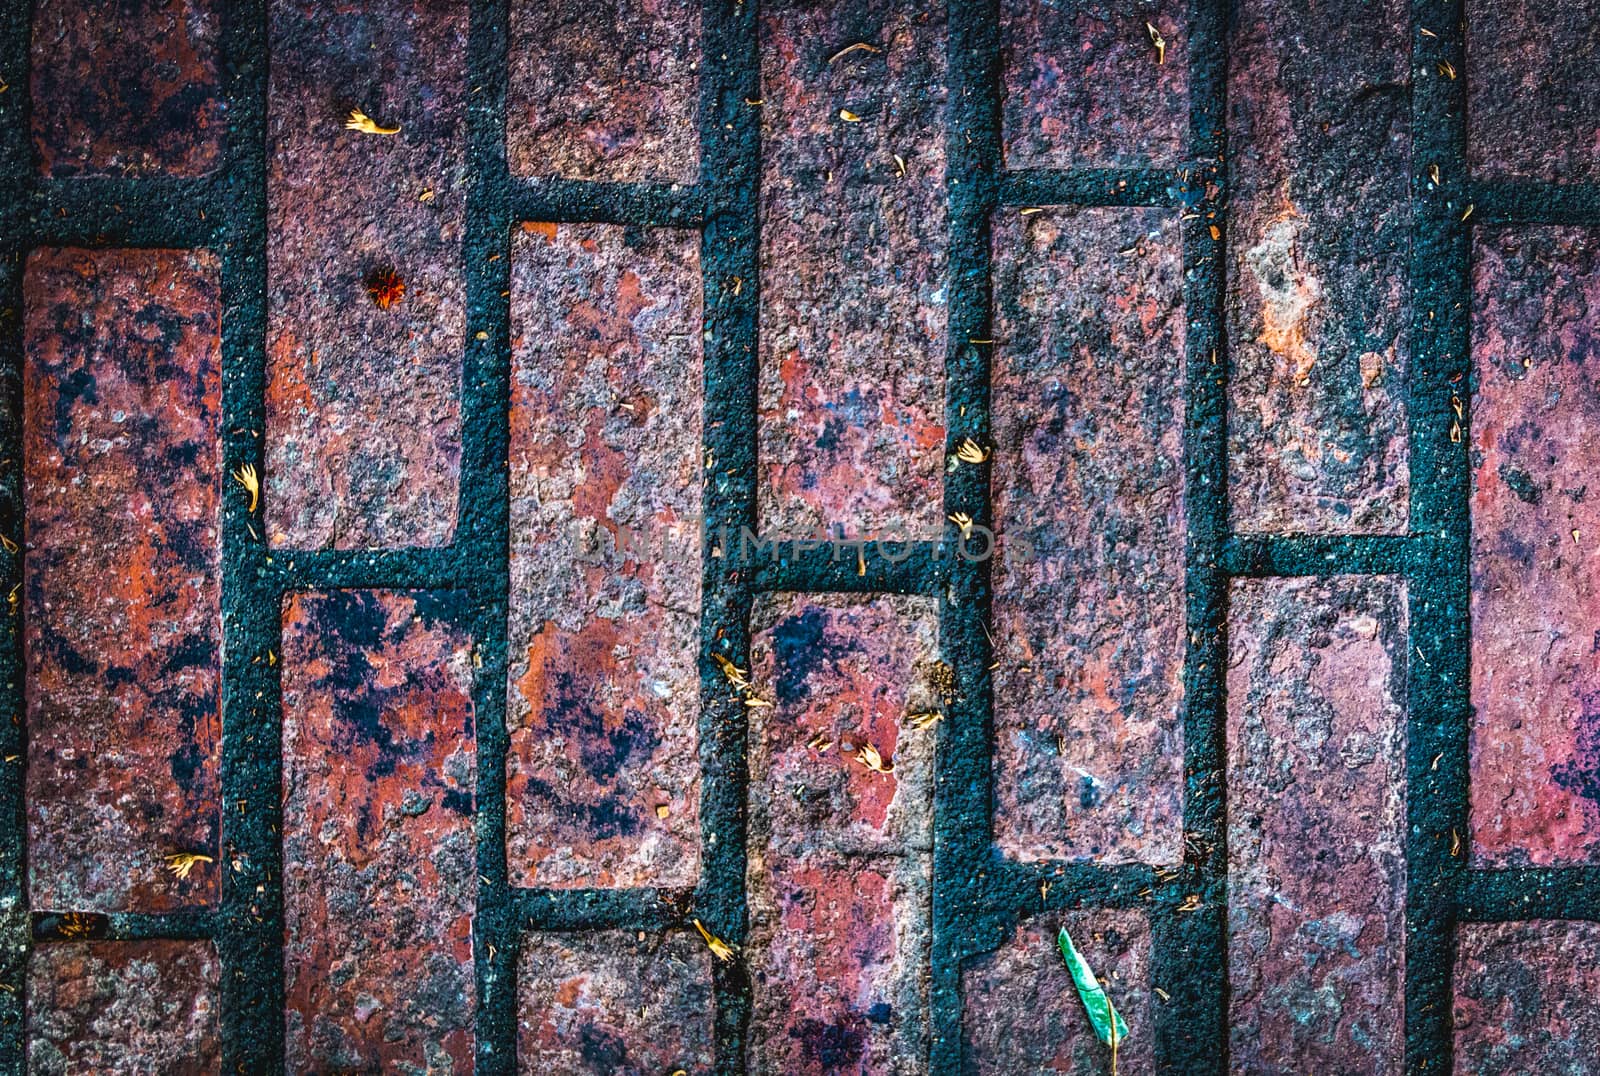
(1316, 824)
(852, 268)
(380, 876)
(604, 89)
(1533, 99)
(1084, 85)
(1021, 1010)
(606, 459)
(839, 865)
(1318, 239)
(1088, 502)
(122, 576)
(123, 1007)
(126, 89)
(614, 1002)
(1535, 438)
(363, 403)
(1527, 997)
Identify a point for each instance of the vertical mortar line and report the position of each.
(482, 537)
(250, 927)
(730, 176)
(964, 867)
(1439, 587)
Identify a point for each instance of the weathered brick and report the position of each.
(363, 404)
(1535, 526)
(1316, 824)
(614, 1002)
(123, 1008)
(380, 877)
(122, 577)
(1084, 85)
(1020, 1009)
(1526, 997)
(1318, 240)
(126, 89)
(603, 703)
(1089, 599)
(604, 89)
(1533, 97)
(852, 263)
(839, 862)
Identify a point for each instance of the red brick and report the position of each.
(123, 1007)
(122, 400)
(128, 90)
(1089, 600)
(839, 863)
(1533, 99)
(1535, 527)
(380, 874)
(363, 404)
(1083, 87)
(614, 1002)
(852, 291)
(604, 89)
(606, 458)
(1316, 824)
(1021, 1010)
(1318, 242)
(1526, 997)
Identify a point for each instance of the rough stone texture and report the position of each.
(1316, 824)
(852, 263)
(1533, 97)
(122, 576)
(123, 1007)
(604, 89)
(126, 87)
(1318, 240)
(606, 457)
(1083, 87)
(380, 880)
(1527, 997)
(363, 404)
(1089, 600)
(839, 864)
(614, 1002)
(1021, 1012)
(1535, 535)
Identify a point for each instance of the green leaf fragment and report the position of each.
(1102, 1014)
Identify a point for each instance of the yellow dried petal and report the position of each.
(360, 121)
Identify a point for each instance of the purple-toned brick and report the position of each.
(614, 1002)
(1088, 480)
(852, 264)
(1535, 439)
(379, 764)
(606, 461)
(1318, 240)
(840, 854)
(1533, 97)
(122, 576)
(1527, 997)
(126, 89)
(1021, 1011)
(1316, 824)
(123, 1008)
(363, 404)
(604, 89)
(1085, 86)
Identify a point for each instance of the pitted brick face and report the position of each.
(1525, 997)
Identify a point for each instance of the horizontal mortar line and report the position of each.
(601, 909)
(431, 568)
(575, 201)
(124, 926)
(1496, 896)
(139, 212)
(1019, 887)
(1535, 203)
(1266, 556)
(1090, 187)
(806, 566)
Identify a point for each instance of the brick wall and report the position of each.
(1201, 398)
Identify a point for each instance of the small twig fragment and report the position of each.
(859, 46)
(1158, 41)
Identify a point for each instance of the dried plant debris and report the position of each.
(736, 676)
(719, 948)
(1158, 41)
(969, 451)
(1108, 1023)
(869, 757)
(246, 476)
(360, 121)
(386, 288)
(181, 863)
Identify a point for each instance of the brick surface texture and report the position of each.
(428, 438)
